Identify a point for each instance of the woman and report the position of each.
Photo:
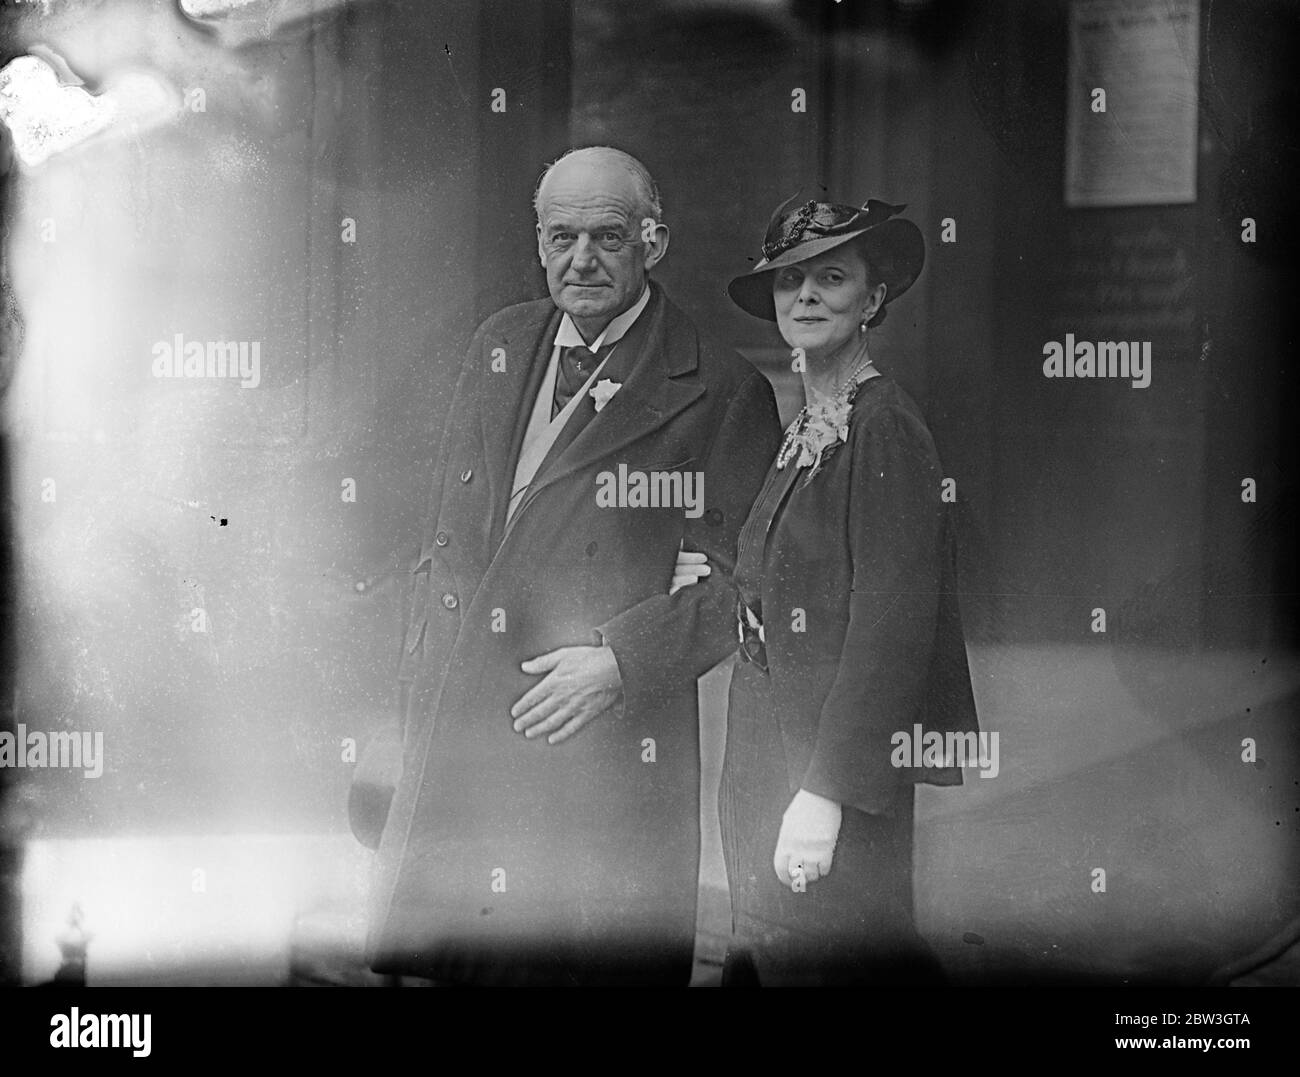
(848, 621)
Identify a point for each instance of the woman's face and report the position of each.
(821, 302)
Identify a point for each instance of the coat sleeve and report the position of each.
(668, 640)
(896, 543)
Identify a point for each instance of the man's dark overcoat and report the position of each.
(506, 859)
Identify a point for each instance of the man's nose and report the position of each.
(584, 254)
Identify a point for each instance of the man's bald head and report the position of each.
(604, 159)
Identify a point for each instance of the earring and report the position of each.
(862, 326)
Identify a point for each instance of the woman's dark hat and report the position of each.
(795, 233)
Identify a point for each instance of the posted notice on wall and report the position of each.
(1131, 127)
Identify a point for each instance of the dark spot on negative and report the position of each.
(591, 549)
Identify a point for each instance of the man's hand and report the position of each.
(581, 683)
(689, 570)
(806, 844)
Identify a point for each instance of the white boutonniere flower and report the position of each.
(603, 392)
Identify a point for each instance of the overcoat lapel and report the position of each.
(621, 363)
(648, 400)
(506, 407)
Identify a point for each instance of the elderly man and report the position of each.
(545, 827)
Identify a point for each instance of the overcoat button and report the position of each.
(467, 474)
(441, 538)
(449, 600)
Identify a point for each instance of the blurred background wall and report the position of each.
(348, 198)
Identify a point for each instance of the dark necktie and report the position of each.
(575, 367)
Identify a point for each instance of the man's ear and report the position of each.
(541, 253)
(656, 245)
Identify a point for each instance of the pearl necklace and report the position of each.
(818, 426)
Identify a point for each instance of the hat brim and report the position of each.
(895, 247)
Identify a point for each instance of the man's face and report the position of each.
(590, 241)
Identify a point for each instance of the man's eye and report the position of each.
(834, 278)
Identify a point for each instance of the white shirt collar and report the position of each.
(568, 335)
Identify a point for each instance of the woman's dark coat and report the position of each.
(853, 571)
(860, 608)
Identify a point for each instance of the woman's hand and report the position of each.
(806, 845)
(690, 568)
